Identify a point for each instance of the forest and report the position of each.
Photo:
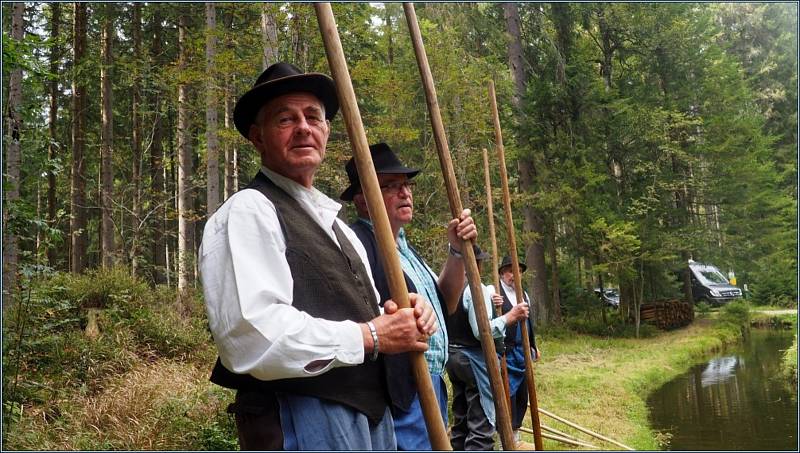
(638, 135)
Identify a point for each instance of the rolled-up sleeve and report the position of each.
(497, 325)
(248, 288)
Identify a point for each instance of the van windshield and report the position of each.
(711, 275)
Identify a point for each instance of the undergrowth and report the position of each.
(142, 383)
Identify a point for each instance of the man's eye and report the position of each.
(284, 120)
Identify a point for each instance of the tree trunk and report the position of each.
(136, 139)
(77, 226)
(13, 156)
(534, 222)
(52, 147)
(184, 165)
(212, 140)
(159, 224)
(106, 147)
(269, 36)
(230, 150)
(555, 306)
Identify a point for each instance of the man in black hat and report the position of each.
(515, 358)
(443, 291)
(473, 403)
(289, 296)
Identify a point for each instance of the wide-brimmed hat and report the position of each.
(279, 79)
(384, 160)
(480, 255)
(507, 262)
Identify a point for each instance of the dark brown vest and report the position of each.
(329, 283)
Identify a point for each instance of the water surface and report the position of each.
(737, 400)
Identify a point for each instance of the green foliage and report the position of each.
(774, 282)
(790, 361)
(736, 313)
(616, 328)
(703, 309)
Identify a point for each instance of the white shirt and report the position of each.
(248, 285)
(511, 293)
(497, 325)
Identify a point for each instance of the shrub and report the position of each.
(703, 309)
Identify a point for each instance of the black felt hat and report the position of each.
(480, 255)
(384, 160)
(279, 79)
(507, 262)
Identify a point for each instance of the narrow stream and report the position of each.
(737, 400)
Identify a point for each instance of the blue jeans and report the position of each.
(313, 424)
(409, 426)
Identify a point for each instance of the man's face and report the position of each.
(507, 275)
(291, 134)
(397, 197)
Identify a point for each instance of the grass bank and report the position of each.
(603, 383)
(140, 382)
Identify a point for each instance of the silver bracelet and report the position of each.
(453, 251)
(374, 333)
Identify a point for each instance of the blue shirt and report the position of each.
(425, 281)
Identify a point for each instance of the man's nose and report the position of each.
(302, 127)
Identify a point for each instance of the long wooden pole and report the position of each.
(564, 440)
(496, 276)
(512, 246)
(383, 231)
(582, 429)
(503, 421)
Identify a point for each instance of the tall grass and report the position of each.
(141, 384)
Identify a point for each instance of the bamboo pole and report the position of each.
(496, 276)
(383, 232)
(560, 433)
(582, 429)
(564, 440)
(512, 246)
(503, 421)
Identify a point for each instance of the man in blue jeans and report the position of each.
(443, 291)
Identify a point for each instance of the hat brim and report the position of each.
(355, 186)
(320, 85)
(522, 267)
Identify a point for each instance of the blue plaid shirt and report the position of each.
(424, 280)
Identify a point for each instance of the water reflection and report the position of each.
(719, 370)
(737, 401)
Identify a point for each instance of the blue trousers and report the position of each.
(314, 424)
(409, 426)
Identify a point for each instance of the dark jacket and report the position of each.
(402, 388)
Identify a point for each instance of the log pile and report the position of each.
(667, 314)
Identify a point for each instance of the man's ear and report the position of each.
(361, 203)
(254, 135)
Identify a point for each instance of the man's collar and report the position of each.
(297, 190)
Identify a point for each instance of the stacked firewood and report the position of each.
(667, 314)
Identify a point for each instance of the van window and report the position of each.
(711, 275)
